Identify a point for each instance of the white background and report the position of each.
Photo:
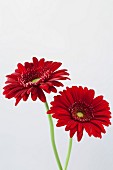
(79, 33)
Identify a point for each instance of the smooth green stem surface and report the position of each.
(53, 138)
(68, 153)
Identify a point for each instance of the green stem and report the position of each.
(53, 138)
(68, 154)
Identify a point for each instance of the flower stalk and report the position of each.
(68, 153)
(53, 138)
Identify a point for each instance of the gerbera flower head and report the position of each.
(34, 78)
(78, 110)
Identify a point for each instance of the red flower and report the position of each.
(79, 110)
(33, 78)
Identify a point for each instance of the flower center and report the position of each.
(35, 80)
(34, 77)
(80, 114)
(30, 78)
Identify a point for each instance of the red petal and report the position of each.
(69, 95)
(61, 123)
(58, 110)
(10, 86)
(21, 68)
(61, 116)
(97, 100)
(35, 61)
(60, 73)
(91, 129)
(60, 101)
(80, 93)
(88, 96)
(102, 106)
(75, 93)
(71, 125)
(104, 121)
(25, 97)
(72, 132)
(28, 65)
(55, 65)
(13, 76)
(102, 114)
(80, 131)
(45, 87)
(53, 89)
(17, 100)
(34, 94)
(57, 84)
(19, 93)
(41, 62)
(41, 95)
(65, 97)
(99, 125)
(13, 92)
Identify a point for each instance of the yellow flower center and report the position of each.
(80, 114)
(35, 80)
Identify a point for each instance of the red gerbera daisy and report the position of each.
(78, 109)
(33, 78)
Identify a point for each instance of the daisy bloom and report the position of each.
(78, 110)
(34, 78)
